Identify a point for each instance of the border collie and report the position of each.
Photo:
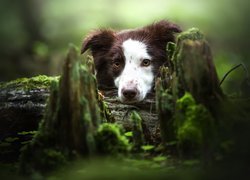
(130, 59)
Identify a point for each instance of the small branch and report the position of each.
(231, 70)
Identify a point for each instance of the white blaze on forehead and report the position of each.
(134, 75)
(134, 50)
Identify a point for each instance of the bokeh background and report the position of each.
(35, 34)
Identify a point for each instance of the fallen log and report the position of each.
(22, 104)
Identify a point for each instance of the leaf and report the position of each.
(11, 139)
(160, 158)
(27, 132)
(129, 134)
(147, 147)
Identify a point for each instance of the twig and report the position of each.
(235, 67)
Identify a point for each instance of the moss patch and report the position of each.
(110, 139)
(45, 159)
(191, 34)
(41, 82)
(195, 126)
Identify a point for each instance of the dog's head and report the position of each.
(130, 59)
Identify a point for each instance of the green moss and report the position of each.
(110, 139)
(188, 36)
(27, 133)
(160, 158)
(191, 34)
(105, 112)
(185, 102)
(194, 125)
(138, 137)
(40, 81)
(45, 159)
(11, 139)
(147, 147)
(170, 49)
(4, 144)
(166, 101)
(129, 134)
(165, 105)
(53, 158)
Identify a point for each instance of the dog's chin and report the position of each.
(132, 101)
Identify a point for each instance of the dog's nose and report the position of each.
(129, 94)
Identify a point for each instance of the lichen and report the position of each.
(41, 82)
(111, 140)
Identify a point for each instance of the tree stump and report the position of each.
(195, 69)
(188, 121)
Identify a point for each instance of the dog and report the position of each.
(130, 59)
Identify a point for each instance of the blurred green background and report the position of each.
(35, 34)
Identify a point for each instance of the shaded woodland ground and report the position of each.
(62, 127)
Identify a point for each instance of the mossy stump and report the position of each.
(193, 72)
(71, 118)
(194, 67)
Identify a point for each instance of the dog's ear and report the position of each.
(169, 27)
(99, 40)
(164, 30)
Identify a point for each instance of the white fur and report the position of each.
(134, 75)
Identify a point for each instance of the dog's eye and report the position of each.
(145, 62)
(116, 64)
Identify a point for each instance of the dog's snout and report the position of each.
(129, 94)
